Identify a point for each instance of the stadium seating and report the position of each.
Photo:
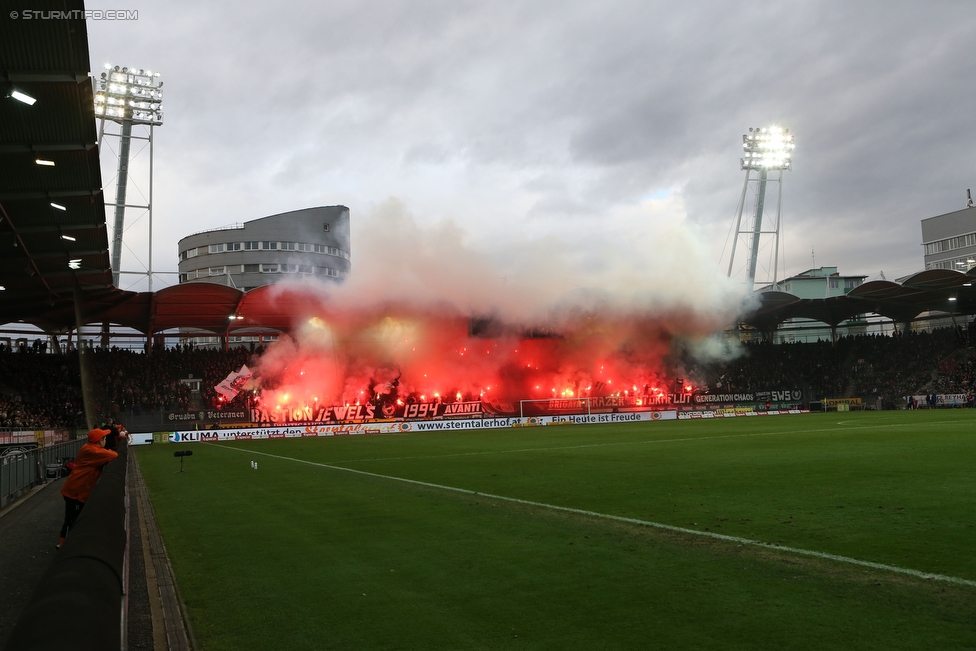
(43, 390)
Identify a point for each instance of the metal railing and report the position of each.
(22, 471)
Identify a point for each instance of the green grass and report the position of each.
(298, 556)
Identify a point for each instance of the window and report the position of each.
(289, 268)
(182, 255)
(303, 246)
(192, 383)
(269, 245)
(834, 283)
(333, 251)
(304, 268)
(269, 268)
(288, 246)
(851, 283)
(233, 246)
(319, 248)
(252, 268)
(216, 271)
(251, 246)
(950, 244)
(191, 253)
(216, 248)
(325, 228)
(182, 278)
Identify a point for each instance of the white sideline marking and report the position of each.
(645, 523)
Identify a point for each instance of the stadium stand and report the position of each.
(864, 366)
(43, 390)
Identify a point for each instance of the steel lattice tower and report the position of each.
(766, 150)
(128, 96)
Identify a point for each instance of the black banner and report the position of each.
(208, 416)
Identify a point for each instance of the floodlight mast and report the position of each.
(765, 149)
(128, 96)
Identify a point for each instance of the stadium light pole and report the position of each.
(128, 96)
(766, 149)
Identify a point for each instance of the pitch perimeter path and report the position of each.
(28, 534)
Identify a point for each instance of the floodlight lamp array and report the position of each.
(767, 148)
(131, 94)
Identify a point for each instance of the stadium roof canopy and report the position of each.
(51, 206)
(54, 266)
(935, 290)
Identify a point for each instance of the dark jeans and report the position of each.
(71, 510)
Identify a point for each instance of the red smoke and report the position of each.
(350, 356)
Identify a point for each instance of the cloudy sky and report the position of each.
(588, 127)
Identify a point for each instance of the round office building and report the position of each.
(312, 242)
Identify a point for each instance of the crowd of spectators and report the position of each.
(40, 390)
(866, 366)
(127, 381)
(957, 375)
(43, 390)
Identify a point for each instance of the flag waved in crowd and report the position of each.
(231, 385)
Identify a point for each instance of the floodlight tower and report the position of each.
(129, 96)
(767, 149)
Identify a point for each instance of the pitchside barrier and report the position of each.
(81, 602)
(735, 413)
(397, 427)
(942, 400)
(37, 438)
(446, 425)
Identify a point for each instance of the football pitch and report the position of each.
(820, 531)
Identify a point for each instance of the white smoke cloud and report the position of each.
(636, 263)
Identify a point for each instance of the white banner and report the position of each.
(944, 400)
(691, 415)
(622, 417)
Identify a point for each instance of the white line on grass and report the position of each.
(617, 518)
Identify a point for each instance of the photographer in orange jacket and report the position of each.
(85, 471)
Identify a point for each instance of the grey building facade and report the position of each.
(949, 240)
(823, 282)
(307, 243)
